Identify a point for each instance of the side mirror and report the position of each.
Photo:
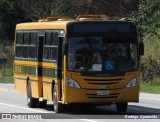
(141, 48)
(64, 47)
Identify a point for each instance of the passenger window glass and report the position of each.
(46, 53)
(32, 52)
(19, 38)
(53, 54)
(18, 51)
(54, 38)
(26, 38)
(48, 38)
(33, 38)
(25, 51)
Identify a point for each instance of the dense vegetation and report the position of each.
(148, 19)
(147, 15)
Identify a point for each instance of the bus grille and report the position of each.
(103, 81)
(117, 79)
(109, 83)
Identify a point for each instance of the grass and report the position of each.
(6, 80)
(152, 86)
(6, 75)
(152, 51)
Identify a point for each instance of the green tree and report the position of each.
(148, 17)
(37, 9)
(10, 15)
(65, 8)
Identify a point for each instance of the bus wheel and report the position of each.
(42, 104)
(58, 107)
(121, 107)
(32, 102)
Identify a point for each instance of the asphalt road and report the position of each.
(14, 102)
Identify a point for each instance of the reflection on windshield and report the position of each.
(101, 54)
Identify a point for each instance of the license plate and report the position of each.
(102, 92)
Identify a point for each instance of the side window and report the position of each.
(48, 38)
(32, 52)
(46, 53)
(19, 40)
(33, 38)
(18, 52)
(26, 39)
(26, 42)
(53, 54)
(54, 46)
(47, 43)
(54, 38)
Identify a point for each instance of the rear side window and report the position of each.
(19, 41)
(26, 42)
(32, 50)
(19, 38)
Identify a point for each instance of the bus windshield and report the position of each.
(90, 54)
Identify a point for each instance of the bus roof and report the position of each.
(61, 22)
(42, 25)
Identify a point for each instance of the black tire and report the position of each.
(32, 102)
(58, 107)
(122, 107)
(42, 104)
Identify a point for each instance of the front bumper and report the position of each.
(74, 95)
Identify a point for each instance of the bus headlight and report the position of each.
(72, 83)
(133, 82)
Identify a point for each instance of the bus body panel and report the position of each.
(26, 70)
(20, 85)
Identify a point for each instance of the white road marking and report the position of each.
(24, 108)
(88, 120)
(149, 98)
(15, 106)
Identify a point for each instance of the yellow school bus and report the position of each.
(90, 60)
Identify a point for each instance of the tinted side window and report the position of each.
(24, 51)
(48, 38)
(50, 52)
(54, 38)
(47, 43)
(54, 46)
(33, 38)
(19, 38)
(54, 53)
(26, 38)
(32, 51)
(18, 52)
(46, 53)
